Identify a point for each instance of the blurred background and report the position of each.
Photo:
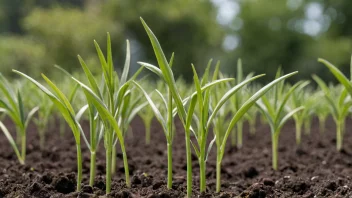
(36, 34)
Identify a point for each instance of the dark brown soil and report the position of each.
(315, 169)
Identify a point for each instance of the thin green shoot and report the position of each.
(12, 105)
(64, 106)
(339, 110)
(273, 109)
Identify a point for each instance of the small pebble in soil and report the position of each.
(268, 182)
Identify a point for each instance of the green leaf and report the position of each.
(162, 98)
(81, 112)
(171, 61)
(288, 116)
(153, 69)
(30, 115)
(216, 71)
(20, 108)
(63, 70)
(206, 73)
(270, 108)
(7, 91)
(105, 68)
(166, 71)
(209, 148)
(11, 140)
(104, 113)
(227, 96)
(61, 107)
(110, 64)
(195, 149)
(249, 103)
(59, 94)
(135, 111)
(90, 77)
(328, 97)
(154, 108)
(338, 75)
(265, 112)
(297, 86)
(190, 111)
(127, 64)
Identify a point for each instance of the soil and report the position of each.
(315, 169)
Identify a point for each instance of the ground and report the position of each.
(315, 169)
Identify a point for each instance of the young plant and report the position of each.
(273, 109)
(147, 116)
(236, 101)
(42, 120)
(222, 136)
(205, 120)
(298, 99)
(96, 127)
(12, 105)
(321, 110)
(116, 104)
(252, 114)
(64, 106)
(165, 73)
(344, 81)
(339, 110)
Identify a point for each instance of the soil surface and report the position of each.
(315, 169)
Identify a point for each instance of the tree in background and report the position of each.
(291, 33)
(287, 33)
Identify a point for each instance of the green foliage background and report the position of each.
(36, 34)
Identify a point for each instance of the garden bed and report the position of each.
(315, 169)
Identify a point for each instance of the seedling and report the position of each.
(221, 137)
(115, 110)
(12, 105)
(273, 108)
(64, 106)
(339, 110)
(298, 99)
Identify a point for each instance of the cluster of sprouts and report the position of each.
(212, 109)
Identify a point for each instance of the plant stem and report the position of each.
(169, 140)
(298, 132)
(218, 173)
(189, 163)
(108, 166)
(79, 167)
(23, 146)
(338, 136)
(125, 164)
(307, 127)
(41, 139)
(275, 142)
(321, 124)
(169, 165)
(202, 168)
(252, 127)
(239, 134)
(113, 162)
(92, 168)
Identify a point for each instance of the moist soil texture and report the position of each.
(314, 169)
